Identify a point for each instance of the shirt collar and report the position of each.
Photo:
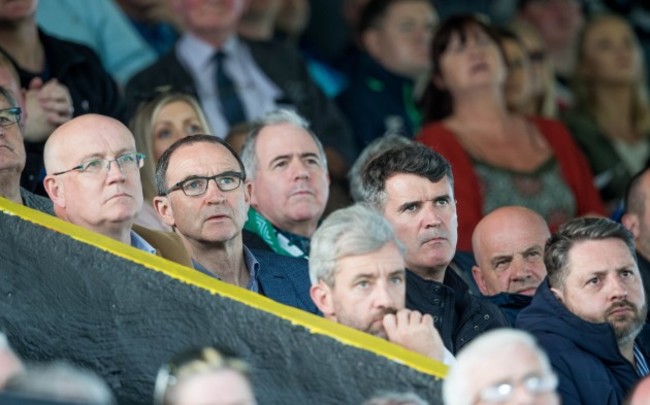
(252, 265)
(139, 243)
(199, 54)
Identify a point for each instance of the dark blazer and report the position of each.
(285, 279)
(284, 66)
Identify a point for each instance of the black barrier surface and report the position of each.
(68, 293)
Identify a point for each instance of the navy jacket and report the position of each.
(510, 304)
(285, 279)
(585, 355)
(458, 315)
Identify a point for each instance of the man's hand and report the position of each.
(413, 331)
(48, 106)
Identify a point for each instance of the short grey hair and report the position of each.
(63, 381)
(416, 159)
(556, 252)
(352, 231)
(281, 116)
(457, 387)
(374, 149)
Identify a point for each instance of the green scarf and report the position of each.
(280, 244)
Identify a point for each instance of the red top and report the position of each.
(573, 165)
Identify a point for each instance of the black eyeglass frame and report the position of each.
(231, 173)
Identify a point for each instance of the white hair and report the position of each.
(457, 388)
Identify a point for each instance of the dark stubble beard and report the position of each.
(628, 332)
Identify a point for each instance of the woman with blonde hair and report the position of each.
(156, 124)
(611, 117)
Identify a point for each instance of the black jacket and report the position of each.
(458, 315)
(283, 66)
(585, 355)
(92, 90)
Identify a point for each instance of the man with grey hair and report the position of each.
(288, 173)
(589, 313)
(61, 381)
(494, 368)
(412, 187)
(357, 274)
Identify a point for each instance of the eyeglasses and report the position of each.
(504, 390)
(126, 162)
(10, 116)
(198, 185)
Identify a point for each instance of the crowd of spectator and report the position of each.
(468, 180)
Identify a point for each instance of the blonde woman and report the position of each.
(611, 117)
(158, 123)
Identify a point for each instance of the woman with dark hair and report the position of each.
(611, 117)
(498, 157)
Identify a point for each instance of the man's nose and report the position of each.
(299, 169)
(213, 193)
(114, 171)
(432, 216)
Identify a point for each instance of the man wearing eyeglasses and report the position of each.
(203, 194)
(504, 367)
(12, 155)
(93, 179)
(589, 313)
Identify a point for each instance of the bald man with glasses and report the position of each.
(203, 194)
(93, 180)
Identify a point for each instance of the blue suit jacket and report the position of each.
(285, 279)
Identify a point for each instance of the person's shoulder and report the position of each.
(166, 62)
(167, 244)
(64, 45)
(273, 260)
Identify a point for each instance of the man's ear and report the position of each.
(55, 190)
(631, 222)
(321, 294)
(164, 209)
(480, 281)
(371, 42)
(559, 294)
(249, 195)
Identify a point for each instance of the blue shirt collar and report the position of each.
(139, 243)
(252, 265)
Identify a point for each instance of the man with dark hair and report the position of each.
(203, 194)
(412, 187)
(239, 80)
(637, 219)
(395, 36)
(589, 313)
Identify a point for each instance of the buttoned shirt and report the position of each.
(138, 242)
(252, 265)
(256, 91)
